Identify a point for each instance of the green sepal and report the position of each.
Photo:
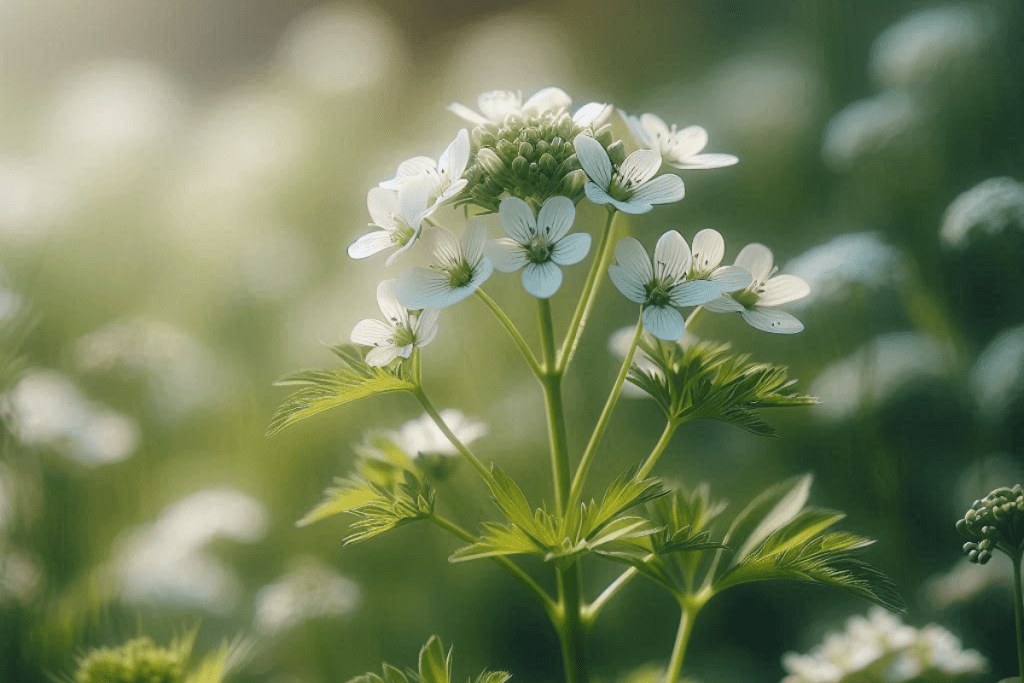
(435, 663)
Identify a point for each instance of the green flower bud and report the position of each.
(995, 522)
(137, 661)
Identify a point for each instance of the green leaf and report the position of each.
(499, 539)
(493, 677)
(393, 674)
(435, 664)
(410, 501)
(348, 495)
(767, 513)
(325, 389)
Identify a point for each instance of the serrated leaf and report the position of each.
(326, 389)
(393, 674)
(435, 664)
(513, 504)
(346, 497)
(767, 513)
(499, 539)
(410, 501)
(493, 677)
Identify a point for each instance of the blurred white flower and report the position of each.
(876, 370)
(10, 302)
(966, 580)
(678, 148)
(310, 591)
(631, 187)
(997, 378)
(495, 105)
(20, 577)
(443, 177)
(400, 332)
(422, 436)
(168, 562)
(33, 199)
(986, 209)
(930, 43)
(881, 647)
(869, 127)
(341, 49)
(46, 409)
(458, 268)
(833, 269)
(538, 244)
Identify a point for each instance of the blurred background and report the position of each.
(179, 182)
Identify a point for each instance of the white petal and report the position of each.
(455, 156)
(730, 278)
(772, 320)
(627, 284)
(571, 249)
(381, 355)
(370, 243)
(421, 287)
(451, 191)
(757, 260)
(517, 219)
(706, 161)
(594, 160)
(664, 322)
(473, 240)
(782, 289)
(371, 332)
(592, 115)
(556, 217)
(466, 113)
(412, 201)
(671, 257)
(662, 190)
(723, 304)
(654, 126)
(547, 99)
(402, 249)
(688, 142)
(481, 272)
(383, 206)
(425, 327)
(639, 167)
(708, 250)
(695, 292)
(394, 312)
(410, 168)
(443, 246)
(497, 104)
(505, 254)
(542, 279)
(598, 196)
(630, 206)
(632, 256)
(640, 134)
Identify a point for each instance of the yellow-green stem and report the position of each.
(571, 631)
(459, 446)
(512, 330)
(659, 448)
(675, 663)
(551, 381)
(1018, 613)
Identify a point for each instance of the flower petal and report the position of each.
(394, 312)
(370, 243)
(571, 249)
(467, 114)
(662, 190)
(473, 240)
(372, 332)
(723, 304)
(410, 168)
(782, 289)
(425, 326)
(772, 320)
(626, 282)
(688, 142)
(731, 278)
(594, 160)
(481, 272)
(556, 217)
(381, 355)
(542, 279)
(664, 322)
(708, 250)
(671, 257)
(402, 249)
(695, 292)
(654, 126)
(546, 99)
(632, 256)
(517, 219)
(706, 161)
(497, 104)
(413, 199)
(450, 192)
(421, 287)
(383, 206)
(757, 260)
(592, 115)
(631, 207)
(505, 254)
(455, 156)
(597, 195)
(639, 167)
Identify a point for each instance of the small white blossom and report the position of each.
(312, 590)
(399, 333)
(705, 264)
(444, 176)
(399, 216)
(422, 436)
(662, 286)
(496, 105)
(755, 302)
(630, 188)
(593, 115)
(459, 267)
(538, 244)
(986, 209)
(678, 148)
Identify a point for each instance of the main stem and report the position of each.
(675, 664)
(1018, 613)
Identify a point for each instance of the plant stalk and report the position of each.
(659, 448)
(571, 631)
(675, 663)
(551, 381)
(1018, 612)
(512, 330)
(459, 446)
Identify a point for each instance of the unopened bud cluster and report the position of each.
(137, 661)
(530, 157)
(996, 522)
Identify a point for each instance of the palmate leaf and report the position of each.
(325, 389)
(410, 501)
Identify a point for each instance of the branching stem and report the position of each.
(459, 446)
(659, 448)
(512, 330)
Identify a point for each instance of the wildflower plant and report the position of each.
(532, 162)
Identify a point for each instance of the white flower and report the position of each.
(678, 148)
(459, 267)
(444, 176)
(986, 209)
(538, 244)
(592, 115)
(708, 250)
(494, 106)
(663, 286)
(312, 590)
(399, 333)
(754, 303)
(630, 188)
(399, 216)
(422, 436)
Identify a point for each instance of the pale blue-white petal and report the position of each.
(640, 134)
(410, 168)
(571, 249)
(639, 167)
(425, 326)
(772, 320)
(555, 218)
(450, 192)
(700, 161)
(731, 278)
(708, 250)
(370, 243)
(694, 292)
(383, 206)
(630, 206)
(542, 279)
(664, 189)
(632, 256)
(380, 356)
(455, 156)
(654, 126)
(517, 219)
(594, 160)
(627, 284)
(421, 287)
(442, 245)
(664, 322)
(547, 99)
(592, 115)
(597, 195)
(782, 289)
(757, 260)
(413, 201)
(505, 254)
(723, 304)
(372, 332)
(481, 272)
(466, 113)
(688, 142)
(402, 249)
(671, 257)
(473, 240)
(497, 104)
(394, 312)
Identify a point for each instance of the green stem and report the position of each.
(693, 316)
(571, 631)
(513, 332)
(508, 565)
(675, 663)
(591, 611)
(1018, 612)
(593, 283)
(602, 422)
(459, 446)
(551, 381)
(659, 448)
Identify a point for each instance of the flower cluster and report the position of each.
(996, 522)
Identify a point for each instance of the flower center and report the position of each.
(658, 293)
(622, 188)
(749, 296)
(539, 250)
(404, 335)
(460, 274)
